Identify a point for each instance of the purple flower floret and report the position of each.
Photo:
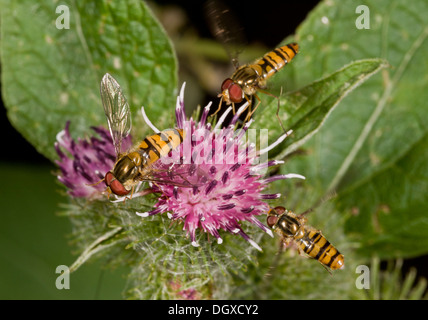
(85, 162)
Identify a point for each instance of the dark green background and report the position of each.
(34, 241)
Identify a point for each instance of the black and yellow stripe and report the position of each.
(315, 245)
(253, 74)
(160, 144)
(275, 60)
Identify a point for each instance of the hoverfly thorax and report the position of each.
(125, 169)
(289, 226)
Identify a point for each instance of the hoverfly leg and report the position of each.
(130, 197)
(250, 111)
(132, 193)
(108, 193)
(277, 109)
(219, 106)
(157, 185)
(184, 178)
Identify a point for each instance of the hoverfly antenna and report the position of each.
(96, 183)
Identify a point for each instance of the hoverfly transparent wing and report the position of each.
(117, 111)
(226, 29)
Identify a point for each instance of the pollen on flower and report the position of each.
(226, 175)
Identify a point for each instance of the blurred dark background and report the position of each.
(263, 23)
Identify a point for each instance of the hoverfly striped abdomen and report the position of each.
(316, 246)
(160, 144)
(275, 60)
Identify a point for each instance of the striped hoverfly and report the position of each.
(309, 241)
(248, 79)
(134, 165)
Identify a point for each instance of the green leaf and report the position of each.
(305, 110)
(51, 75)
(371, 151)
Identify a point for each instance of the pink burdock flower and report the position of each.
(84, 163)
(217, 177)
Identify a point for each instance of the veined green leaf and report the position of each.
(51, 72)
(305, 110)
(371, 151)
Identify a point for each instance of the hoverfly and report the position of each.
(135, 165)
(292, 227)
(247, 79)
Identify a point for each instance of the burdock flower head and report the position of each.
(84, 163)
(217, 177)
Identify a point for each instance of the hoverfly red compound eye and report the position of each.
(118, 188)
(279, 210)
(109, 177)
(235, 93)
(115, 185)
(271, 220)
(226, 84)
